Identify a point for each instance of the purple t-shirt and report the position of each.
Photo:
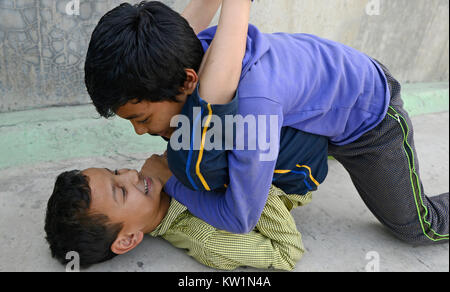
(311, 84)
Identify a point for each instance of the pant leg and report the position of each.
(384, 168)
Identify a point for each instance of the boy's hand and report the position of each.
(156, 167)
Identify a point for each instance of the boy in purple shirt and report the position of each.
(144, 61)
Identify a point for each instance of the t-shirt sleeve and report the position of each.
(197, 152)
(251, 164)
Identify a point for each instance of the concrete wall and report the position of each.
(42, 48)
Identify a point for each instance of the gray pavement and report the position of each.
(338, 230)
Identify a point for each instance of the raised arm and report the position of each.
(221, 66)
(199, 13)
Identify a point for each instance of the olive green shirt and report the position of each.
(274, 243)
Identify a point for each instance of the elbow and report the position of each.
(243, 221)
(243, 228)
(291, 259)
(248, 223)
(295, 257)
(248, 228)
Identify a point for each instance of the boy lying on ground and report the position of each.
(101, 213)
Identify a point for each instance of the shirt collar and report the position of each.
(175, 210)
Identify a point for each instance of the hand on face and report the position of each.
(157, 167)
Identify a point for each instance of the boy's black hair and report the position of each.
(139, 52)
(70, 227)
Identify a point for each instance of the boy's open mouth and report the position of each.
(147, 184)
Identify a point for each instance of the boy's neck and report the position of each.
(162, 212)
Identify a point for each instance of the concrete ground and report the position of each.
(338, 230)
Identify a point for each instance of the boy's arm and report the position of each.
(212, 172)
(275, 242)
(239, 208)
(221, 67)
(199, 13)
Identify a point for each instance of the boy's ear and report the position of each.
(126, 242)
(191, 81)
